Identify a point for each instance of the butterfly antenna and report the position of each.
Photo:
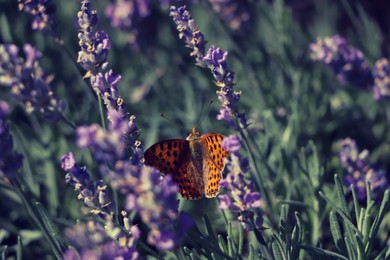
(173, 123)
(205, 112)
(168, 119)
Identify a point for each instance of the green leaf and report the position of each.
(278, 248)
(231, 246)
(377, 221)
(252, 252)
(351, 251)
(51, 229)
(360, 249)
(297, 236)
(282, 223)
(366, 223)
(341, 196)
(19, 250)
(336, 232)
(345, 217)
(368, 192)
(222, 244)
(315, 251)
(278, 254)
(361, 218)
(240, 239)
(356, 205)
(212, 238)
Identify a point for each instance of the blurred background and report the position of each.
(288, 98)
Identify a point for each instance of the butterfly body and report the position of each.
(196, 164)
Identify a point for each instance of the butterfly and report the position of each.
(196, 163)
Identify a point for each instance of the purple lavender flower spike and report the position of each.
(235, 13)
(359, 170)
(216, 60)
(231, 143)
(27, 81)
(94, 45)
(43, 12)
(347, 62)
(157, 205)
(241, 199)
(10, 162)
(189, 32)
(93, 241)
(382, 79)
(94, 195)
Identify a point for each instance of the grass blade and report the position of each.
(315, 251)
(378, 220)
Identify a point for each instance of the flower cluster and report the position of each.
(188, 31)
(359, 170)
(43, 12)
(155, 200)
(95, 45)
(216, 60)
(93, 194)
(27, 81)
(381, 79)
(242, 198)
(347, 62)
(128, 15)
(233, 12)
(92, 240)
(10, 161)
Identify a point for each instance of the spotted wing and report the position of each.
(189, 188)
(214, 156)
(174, 157)
(167, 156)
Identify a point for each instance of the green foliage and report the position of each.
(296, 109)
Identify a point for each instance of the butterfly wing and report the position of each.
(213, 155)
(189, 189)
(167, 156)
(173, 157)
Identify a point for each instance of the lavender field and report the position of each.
(292, 97)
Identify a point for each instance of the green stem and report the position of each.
(68, 121)
(257, 177)
(34, 216)
(101, 111)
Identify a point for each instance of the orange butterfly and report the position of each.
(196, 164)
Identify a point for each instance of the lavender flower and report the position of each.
(92, 240)
(233, 12)
(347, 62)
(27, 81)
(124, 13)
(241, 199)
(94, 44)
(382, 79)
(359, 170)
(216, 60)
(10, 161)
(93, 194)
(152, 198)
(43, 12)
(149, 196)
(189, 32)
(157, 204)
